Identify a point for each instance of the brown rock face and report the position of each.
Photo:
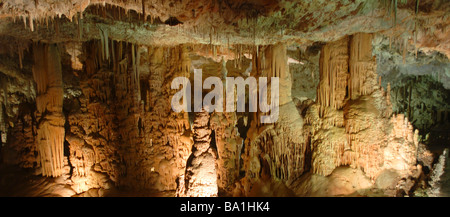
(49, 101)
(229, 146)
(357, 131)
(275, 150)
(201, 175)
(125, 130)
(333, 74)
(86, 95)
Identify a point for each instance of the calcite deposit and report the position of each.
(357, 99)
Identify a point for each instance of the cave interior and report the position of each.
(87, 88)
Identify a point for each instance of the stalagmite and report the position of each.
(201, 176)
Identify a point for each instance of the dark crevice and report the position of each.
(172, 21)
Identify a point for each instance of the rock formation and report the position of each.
(201, 175)
(275, 150)
(359, 131)
(49, 99)
(86, 96)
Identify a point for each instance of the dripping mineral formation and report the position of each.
(234, 91)
(297, 98)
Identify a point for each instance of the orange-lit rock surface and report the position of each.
(85, 97)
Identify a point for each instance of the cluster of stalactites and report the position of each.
(347, 71)
(333, 74)
(350, 122)
(118, 56)
(362, 65)
(284, 155)
(47, 74)
(48, 77)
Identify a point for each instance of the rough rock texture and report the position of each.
(85, 95)
(361, 134)
(139, 142)
(274, 150)
(201, 175)
(229, 145)
(49, 102)
(305, 73)
(419, 85)
(222, 22)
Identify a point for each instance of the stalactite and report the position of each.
(24, 18)
(102, 44)
(20, 52)
(388, 93)
(138, 62)
(113, 55)
(404, 50)
(31, 18)
(409, 101)
(356, 136)
(278, 149)
(133, 62)
(80, 27)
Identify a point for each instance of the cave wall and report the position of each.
(362, 134)
(274, 151)
(50, 133)
(119, 129)
(113, 132)
(419, 85)
(136, 138)
(85, 90)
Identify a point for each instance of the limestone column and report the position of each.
(47, 74)
(278, 147)
(201, 176)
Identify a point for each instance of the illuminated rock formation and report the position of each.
(86, 96)
(278, 149)
(229, 146)
(201, 175)
(333, 74)
(359, 131)
(49, 100)
(149, 138)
